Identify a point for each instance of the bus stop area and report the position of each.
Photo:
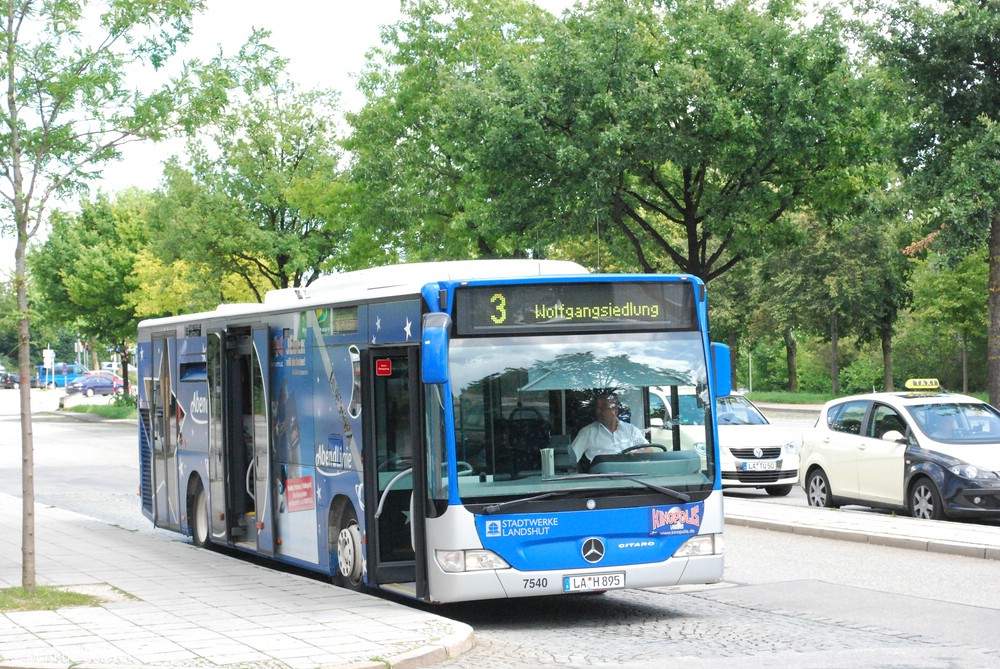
(171, 604)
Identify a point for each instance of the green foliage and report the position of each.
(683, 130)
(863, 375)
(85, 266)
(120, 408)
(950, 148)
(262, 199)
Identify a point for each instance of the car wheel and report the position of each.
(200, 532)
(89, 392)
(925, 501)
(778, 490)
(350, 552)
(818, 489)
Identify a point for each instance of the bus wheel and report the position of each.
(349, 552)
(198, 513)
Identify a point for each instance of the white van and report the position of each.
(752, 452)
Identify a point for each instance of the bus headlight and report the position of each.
(455, 562)
(705, 544)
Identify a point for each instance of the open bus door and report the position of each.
(247, 448)
(393, 444)
(163, 429)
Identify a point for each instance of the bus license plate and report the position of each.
(588, 582)
(760, 466)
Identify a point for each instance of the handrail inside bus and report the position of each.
(388, 487)
(250, 469)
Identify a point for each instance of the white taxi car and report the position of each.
(930, 453)
(753, 453)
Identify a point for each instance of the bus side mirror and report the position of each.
(722, 368)
(434, 348)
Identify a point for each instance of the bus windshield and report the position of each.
(517, 397)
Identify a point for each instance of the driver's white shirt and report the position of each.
(595, 439)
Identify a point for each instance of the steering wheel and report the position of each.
(641, 446)
(464, 468)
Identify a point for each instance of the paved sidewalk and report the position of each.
(188, 607)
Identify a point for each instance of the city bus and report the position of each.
(409, 429)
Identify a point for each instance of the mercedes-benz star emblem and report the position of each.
(593, 550)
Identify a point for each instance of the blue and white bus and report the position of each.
(408, 429)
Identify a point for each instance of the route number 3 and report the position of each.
(499, 303)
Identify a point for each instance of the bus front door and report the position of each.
(393, 445)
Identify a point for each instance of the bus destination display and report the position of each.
(603, 306)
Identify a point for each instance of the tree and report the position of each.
(949, 57)
(953, 299)
(85, 269)
(70, 106)
(263, 198)
(415, 144)
(688, 129)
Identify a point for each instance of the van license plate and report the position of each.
(760, 466)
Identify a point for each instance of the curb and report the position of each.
(858, 536)
(449, 648)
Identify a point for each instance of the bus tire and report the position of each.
(198, 513)
(350, 552)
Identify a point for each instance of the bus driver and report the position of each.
(607, 435)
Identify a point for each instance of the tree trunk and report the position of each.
(993, 340)
(124, 356)
(27, 440)
(887, 363)
(965, 364)
(834, 355)
(792, 360)
(733, 367)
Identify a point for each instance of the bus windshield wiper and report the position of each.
(669, 492)
(493, 508)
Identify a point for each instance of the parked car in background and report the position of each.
(13, 380)
(61, 374)
(96, 383)
(930, 453)
(753, 453)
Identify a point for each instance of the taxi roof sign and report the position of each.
(923, 384)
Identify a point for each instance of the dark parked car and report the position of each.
(96, 383)
(13, 380)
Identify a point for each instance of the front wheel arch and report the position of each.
(199, 521)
